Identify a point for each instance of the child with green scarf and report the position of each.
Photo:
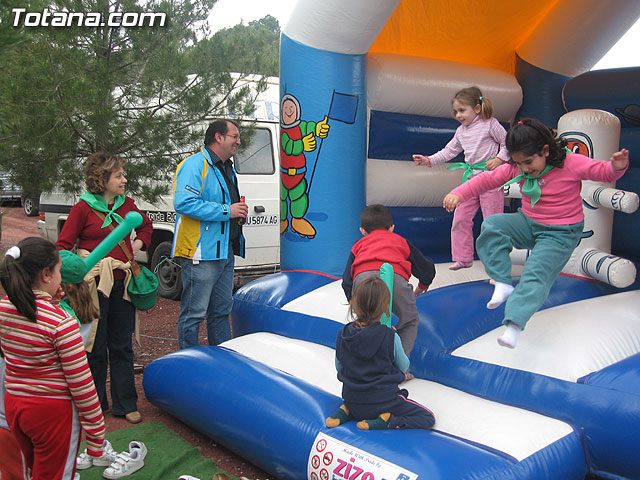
(549, 224)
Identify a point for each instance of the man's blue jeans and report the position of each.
(207, 291)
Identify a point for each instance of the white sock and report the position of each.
(510, 336)
(501, 292)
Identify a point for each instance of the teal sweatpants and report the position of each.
(550, 248)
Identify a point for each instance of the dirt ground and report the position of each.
(158, 329)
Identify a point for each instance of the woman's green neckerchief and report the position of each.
(530, 187)
(99, 203)
(481, 166)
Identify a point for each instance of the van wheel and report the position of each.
(30, 206)
(169, 273)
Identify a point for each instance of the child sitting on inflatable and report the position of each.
(371, 364)
(550, 223)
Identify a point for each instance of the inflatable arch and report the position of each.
(365, 84)
(400, 62)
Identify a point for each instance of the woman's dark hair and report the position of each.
(370, 300)
(79, 299)
(98, 170)
(18, 275)
(529, 136)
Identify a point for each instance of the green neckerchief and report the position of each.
(67, 308)
(482, 166)
(530, 188)
(99, 203)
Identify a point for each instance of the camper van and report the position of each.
(257, 165)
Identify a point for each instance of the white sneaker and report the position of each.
(84, 461)
(126, 463)
(140, 447)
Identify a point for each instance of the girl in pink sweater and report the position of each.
(481, 137)
(549, 223)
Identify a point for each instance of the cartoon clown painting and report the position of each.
(296, 138)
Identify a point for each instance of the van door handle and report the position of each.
(258, 209)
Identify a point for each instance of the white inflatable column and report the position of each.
(596, 134)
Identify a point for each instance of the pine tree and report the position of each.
(143, 93)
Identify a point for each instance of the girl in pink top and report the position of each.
(481, 137)
(549, 223)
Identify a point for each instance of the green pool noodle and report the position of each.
(130, 221)
(386, 274)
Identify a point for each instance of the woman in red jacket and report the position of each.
(100, 209)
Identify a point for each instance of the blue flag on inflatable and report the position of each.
(343, 107)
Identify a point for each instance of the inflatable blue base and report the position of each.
(266, 393)
(275, 421)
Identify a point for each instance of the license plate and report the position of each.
(255, 220)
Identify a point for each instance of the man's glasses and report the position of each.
(235, 137)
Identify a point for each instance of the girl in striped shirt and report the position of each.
(50, 396)
(481, 137)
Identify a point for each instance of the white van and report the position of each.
(257, 166)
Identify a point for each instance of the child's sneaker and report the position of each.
(139, 447)
(84, 461)
(126, 463)
(108, 455)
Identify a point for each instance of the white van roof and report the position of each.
(268, 102)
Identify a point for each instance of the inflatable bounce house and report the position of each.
(364, 85)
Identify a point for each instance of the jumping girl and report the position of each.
(549, 224)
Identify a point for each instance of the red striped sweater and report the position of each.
(47, 359)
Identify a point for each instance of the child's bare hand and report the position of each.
(421, 160)
(420, 289)
(451, 201)
(620, 159)
(493, 163)
(58, 296)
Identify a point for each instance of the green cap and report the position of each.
(73, 267)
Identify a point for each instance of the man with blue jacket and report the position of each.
(208, 233)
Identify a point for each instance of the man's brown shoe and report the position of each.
(133, 417)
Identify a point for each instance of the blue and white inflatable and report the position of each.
(380, 74)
